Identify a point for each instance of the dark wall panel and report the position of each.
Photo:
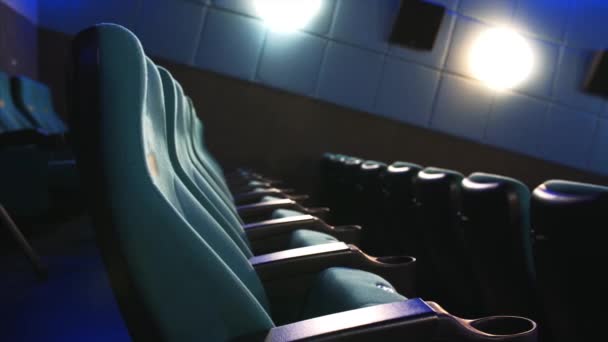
(284, 135)
(18, 42)
(53, 59)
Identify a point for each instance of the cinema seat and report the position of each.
(34, 179)
(444, 264)
(369, 210)
(347, 171)
(251, 191)
(179, 264)
(569, 256)
(401, 231)
(9, 121)
(34, 99)
(201, 185)
(496, 225)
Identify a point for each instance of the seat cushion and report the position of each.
(305, 238)
(270, 199)
(283, 213)
(255, 183)
(340, 289)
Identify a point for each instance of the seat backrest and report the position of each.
(11, 119)
(369, 178)
(568, 220)
(204, 162)
(46, 107)
(170, 279)
(445, 264)
(198, 186)
(30, 98)
(369, 207)
(199, 147)
(497, 232)
(398, 181)
(401, 211)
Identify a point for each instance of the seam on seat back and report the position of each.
(200, 152)
(185, 172)
(11, 119)
(203, 165)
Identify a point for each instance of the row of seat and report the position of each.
(484, 243)
(26, 104)
(183, 263)
(38, 176)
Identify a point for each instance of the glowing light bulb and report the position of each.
(501, 58)
(287, 15)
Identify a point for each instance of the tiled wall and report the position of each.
(343, 57)
(18, 37)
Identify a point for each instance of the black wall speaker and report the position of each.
(597, 78)
(417, 24)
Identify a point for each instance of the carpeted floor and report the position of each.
(75, 303)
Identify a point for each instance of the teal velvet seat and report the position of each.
(33, 180)
(10, 118)
(205, 185)
(339, 289)
(305, 238)
(496, 225)
(283, 213)
(34, 99)
(177, 273)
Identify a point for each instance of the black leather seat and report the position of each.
(401, 233)
(568, 219)
(497, 231)
(444, 266)
(370, 207)
(347, 172)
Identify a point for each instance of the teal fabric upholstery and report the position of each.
(270, 199)
(201, 186)
(199, 181)
(284, 213)
(11, 119)
(200, 154)
(34, 99)
(186, 274)
(305, 238)
(189, 289)
(197, 185)
(255, 183)
(340, 289)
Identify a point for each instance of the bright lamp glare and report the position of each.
(501, 58)
(287, 15)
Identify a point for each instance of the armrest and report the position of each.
(300, 264)
(287, 225)
(265, 208)
(410, 320)
(273, 235)
(255, 195)
(291, 255)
